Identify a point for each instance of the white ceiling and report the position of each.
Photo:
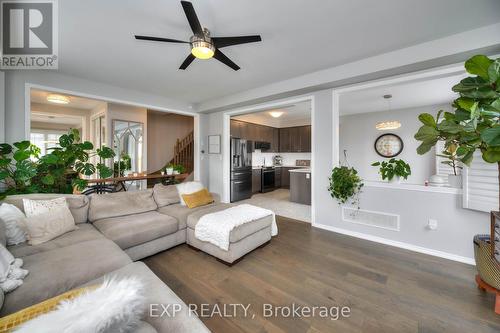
(406, 95)
(96, 38)
(56, 119)
(293, 115)
(39, 96)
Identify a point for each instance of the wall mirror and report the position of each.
(128, 147)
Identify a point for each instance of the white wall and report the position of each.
(358, 134)
(2, 106)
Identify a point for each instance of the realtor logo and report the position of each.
(28, 34)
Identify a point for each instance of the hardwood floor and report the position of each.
(387, 289)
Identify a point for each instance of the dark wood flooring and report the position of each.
(388, 289)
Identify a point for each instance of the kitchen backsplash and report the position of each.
(288, 158)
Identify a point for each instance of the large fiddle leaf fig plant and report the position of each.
(23, 171)
(475, 123)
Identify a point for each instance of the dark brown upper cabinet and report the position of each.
(285, 140)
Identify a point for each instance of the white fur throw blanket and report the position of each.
(215, 228)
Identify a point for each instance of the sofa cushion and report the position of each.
(59, 270)
(165, 195)
(157, 294)
(181, 213)
(103, 206)
(85, 232)
(131, 230)
(237, 233)
(78, 204)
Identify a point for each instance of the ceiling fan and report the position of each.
(203, 46)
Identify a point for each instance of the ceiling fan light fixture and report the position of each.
(58, 99)
(202, 49)
(276, 114)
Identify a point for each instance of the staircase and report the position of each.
(184, 153)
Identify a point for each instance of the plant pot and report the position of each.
(395, 180)
(455, 181)
(176, 172)
(170, 171)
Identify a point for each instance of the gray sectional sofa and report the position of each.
(114, 232)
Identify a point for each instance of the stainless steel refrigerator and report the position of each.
(241, 169)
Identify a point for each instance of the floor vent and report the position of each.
(371, 218)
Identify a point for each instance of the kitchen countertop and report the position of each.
(303, 170)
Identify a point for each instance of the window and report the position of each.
(45, 139)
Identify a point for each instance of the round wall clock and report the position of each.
(388, 145)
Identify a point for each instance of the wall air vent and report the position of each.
(371, 218)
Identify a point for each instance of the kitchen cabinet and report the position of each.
(295, 139)
(235, 129)
(285, 177)
(275, 144)
(300, 187)
(256, 180)
(284, 142)
(277, 177)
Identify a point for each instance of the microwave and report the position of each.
(262, 145)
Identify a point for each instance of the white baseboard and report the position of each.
(411, 247)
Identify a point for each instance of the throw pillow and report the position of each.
(115, 306)
(165, 195)
(47, 219)
(11, 273)
(188, 188)
(14, 221)
(198, 199)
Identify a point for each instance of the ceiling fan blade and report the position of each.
(225, 60)
(187, 62)
(159, 39)
(228, 41)
(192, 18)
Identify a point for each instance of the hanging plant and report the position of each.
(345, 184)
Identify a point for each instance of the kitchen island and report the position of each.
(300, 186)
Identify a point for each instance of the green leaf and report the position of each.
(21, 155)
(375, 163)
(4, 162)
(105, 152)
(48, 179)
(4, 174)
(50, 159)
(496, 104)
(427, 119)
(87, 145)
(494, 71)
(491, 156)
(427, 134)
(104, 171)
(425, 147)
(5, 149)
(478, 65)
(491, 136)
(470, 83)
(465, 103)
(79, 184)
(461, 115)
(467, 159)
(66, 140)
(482, 93)
(23, 145)
(87, 169)
(449, 127)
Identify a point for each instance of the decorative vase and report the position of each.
(455, 181)
(176, 172)
(170, 171)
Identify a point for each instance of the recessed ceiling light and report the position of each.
(58, 99)
(388, 125)
(276, 114)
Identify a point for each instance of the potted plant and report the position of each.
(124, 164)
(178, 169)
(393, 170)
(474, 125)
(345, 184)
(22, 171)
(450, 153)
(169, 169)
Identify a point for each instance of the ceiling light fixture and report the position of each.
(388, 125)
(276, 114)
(201, 46)
(58, 99)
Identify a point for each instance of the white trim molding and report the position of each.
(402, 245)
